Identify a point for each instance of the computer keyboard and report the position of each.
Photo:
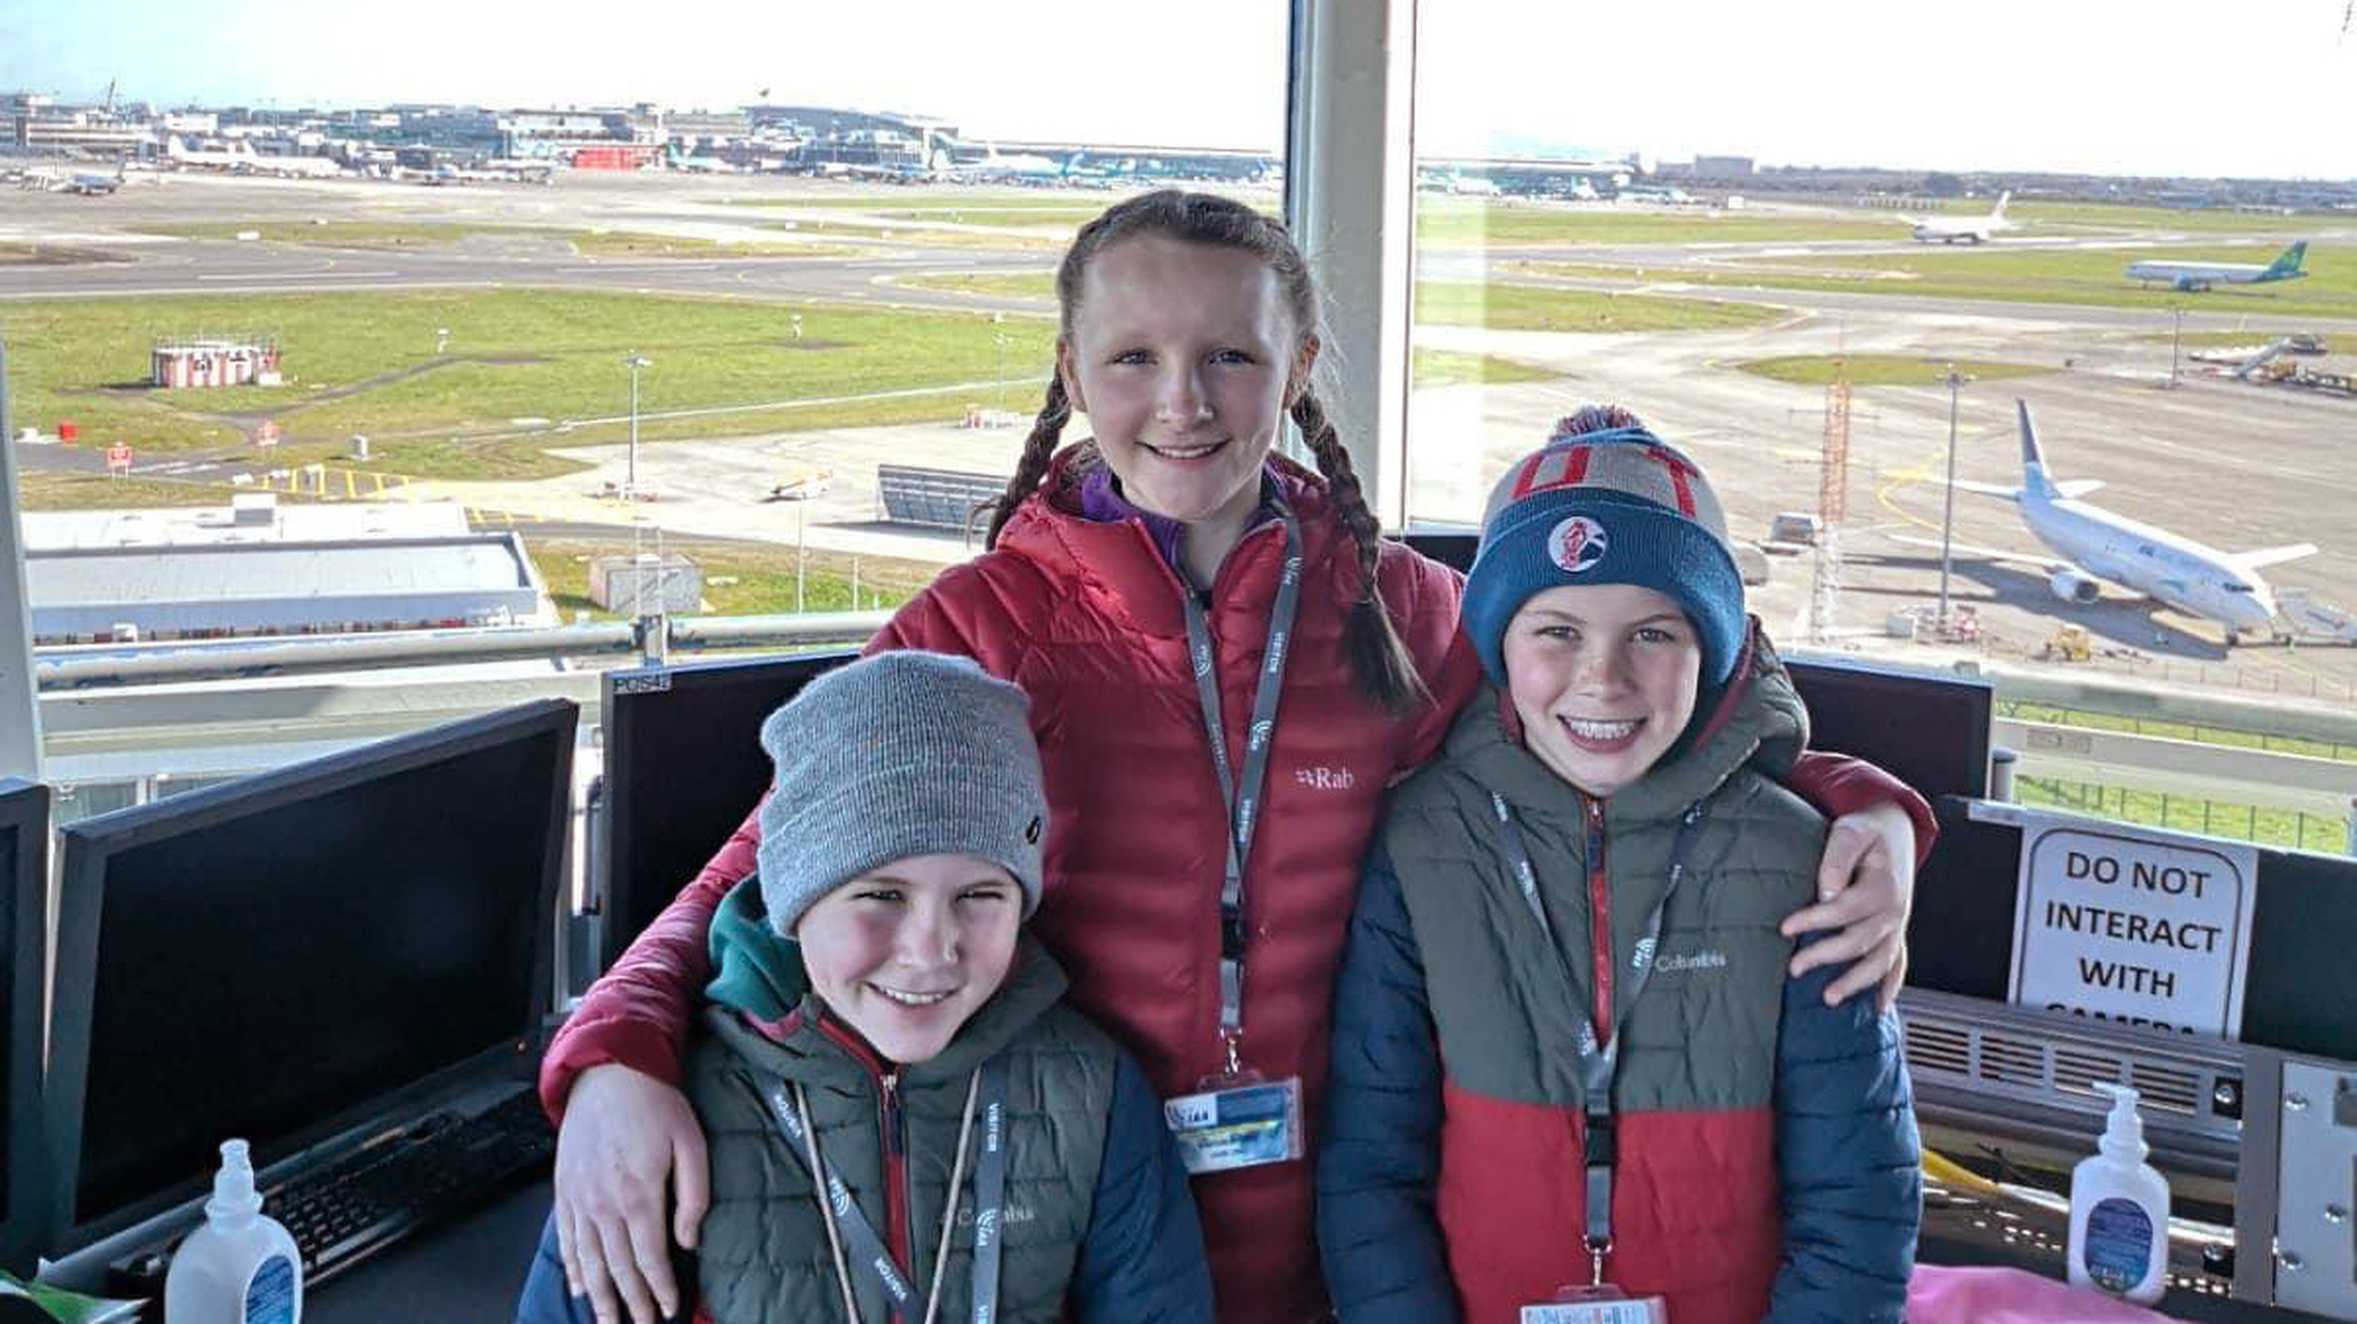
(346, 1212)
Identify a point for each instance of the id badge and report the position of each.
(1647, 1310)
(1603, 1304)
(1239, 1126)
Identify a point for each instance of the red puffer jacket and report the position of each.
(1087, 618)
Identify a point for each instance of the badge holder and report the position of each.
(1238, 1118)
(1597, 1303)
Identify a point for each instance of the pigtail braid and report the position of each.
(1386, 673)
(1038, 450)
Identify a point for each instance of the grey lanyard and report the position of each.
(1243, 806)
(867, 1250)
(1598, 1064)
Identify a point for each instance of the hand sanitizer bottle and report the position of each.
(238, 1267)
(2119, 1211)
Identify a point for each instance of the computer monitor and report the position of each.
(683, 767)
(24, 918)
(294, 956)
(1929, 729)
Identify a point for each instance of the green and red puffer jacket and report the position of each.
(1767, 1147)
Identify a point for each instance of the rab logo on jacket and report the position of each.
(1577, 544)
(1323, 778)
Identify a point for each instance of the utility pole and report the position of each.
(2176, 334)
(634, 361)
(1955, 381)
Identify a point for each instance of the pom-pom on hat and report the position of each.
(1606, 502)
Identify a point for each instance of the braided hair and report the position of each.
(1379, 659)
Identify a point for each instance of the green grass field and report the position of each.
(1482, 223)
(1000, 284)
(1498, 307)
(1534, 308)
(740, 579)
(55, 255)
(365, 362)
(76, 491)
(2206, 735)
(396, 235)
(2096, 215)
(1879, 369)
(2067, 276)
(1441, 367)
(2268, 827)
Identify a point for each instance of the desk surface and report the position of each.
(467, 1272)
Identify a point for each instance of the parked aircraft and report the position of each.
(93, 185)
(1965, 229)
(2197, 276)
(2097, 545)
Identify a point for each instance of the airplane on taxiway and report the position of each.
(1965, 229)
(2194, 277)
(2097, 546)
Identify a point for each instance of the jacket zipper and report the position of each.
(1599, 916)
(892, 1132)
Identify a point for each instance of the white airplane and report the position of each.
(2194, 277)
(1965, 229)
(2097, 545)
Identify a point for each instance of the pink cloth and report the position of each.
(1941, 1295)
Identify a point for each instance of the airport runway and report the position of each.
(2234, 465)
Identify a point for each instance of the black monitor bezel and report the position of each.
(24, 1230)
(89, 844)
(619, 894)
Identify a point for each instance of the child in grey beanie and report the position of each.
(883, 1047)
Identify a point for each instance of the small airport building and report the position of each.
(256, 570)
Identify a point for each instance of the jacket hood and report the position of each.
(1119, 559)
(1758, 719)
(764, 1008)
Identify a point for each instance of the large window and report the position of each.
(1773, 233)
(456, 333)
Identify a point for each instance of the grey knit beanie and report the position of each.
(900, 754)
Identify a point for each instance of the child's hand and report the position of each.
(1865, 887)
(624, 1134)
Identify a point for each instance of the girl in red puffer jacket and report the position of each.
(1227, 665)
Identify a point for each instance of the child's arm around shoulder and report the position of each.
(1849, 1163)
(1142, 1262)
(1379, 1144)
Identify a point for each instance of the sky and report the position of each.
(2164, 87)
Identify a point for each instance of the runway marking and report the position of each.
(297, 275)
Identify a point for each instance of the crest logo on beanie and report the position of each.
(1578, 544)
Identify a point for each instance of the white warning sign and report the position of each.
(2133, 925)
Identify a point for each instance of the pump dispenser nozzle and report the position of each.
(233, 1186)
(2123, 1132)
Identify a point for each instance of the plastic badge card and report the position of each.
(1242, 1126)
(1598, 1306)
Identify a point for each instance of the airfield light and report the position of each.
(634, 361)
(1955, 381)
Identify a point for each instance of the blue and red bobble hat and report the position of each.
(1606, 502)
